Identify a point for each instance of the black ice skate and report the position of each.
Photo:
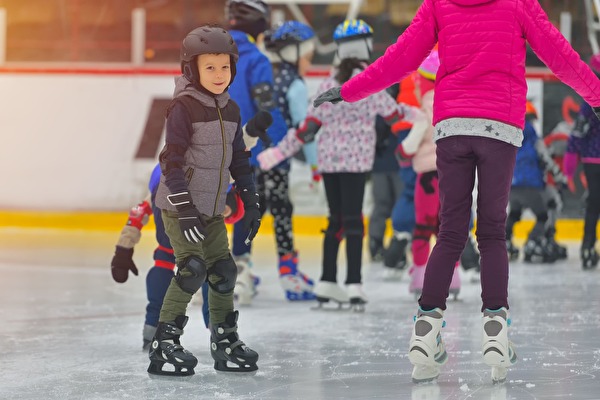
(228, 351)
(166, 348)
(512, 250)
(559, 251)
(537, 251)
(589, 257)
(394, 258)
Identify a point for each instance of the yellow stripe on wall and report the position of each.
(567, 229)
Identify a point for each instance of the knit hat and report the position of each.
(430, 66)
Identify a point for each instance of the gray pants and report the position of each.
(522, 198)
(386, 188)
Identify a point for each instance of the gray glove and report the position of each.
(332, 95)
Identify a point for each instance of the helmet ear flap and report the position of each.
(190, 71)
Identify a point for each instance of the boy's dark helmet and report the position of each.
(244, 11)
(206, 40)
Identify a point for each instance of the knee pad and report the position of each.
(226, 272)
(424, 232)
(334, 227)
(191, 274)
(353, 225)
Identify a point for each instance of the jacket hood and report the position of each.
(470, 2)
(184, 87)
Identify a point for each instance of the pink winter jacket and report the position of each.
(482, 54)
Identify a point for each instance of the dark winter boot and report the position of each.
(512, 250)
(394, 259)
(228, 351)
(589, 257)
(376, 249)
(536, 250)
(559, 251)
(166, 348)
(469, 259)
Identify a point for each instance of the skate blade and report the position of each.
(335, 305)
(156, 368)
(499, 375)
(226, 366)
(424, 374)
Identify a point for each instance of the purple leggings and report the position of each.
(458, 157)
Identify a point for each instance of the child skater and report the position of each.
(290, 48)
(204, 147)
(584, 146)
(346, 147)
(528, 191)
(419, 146)
(254, 91)
(478, 114)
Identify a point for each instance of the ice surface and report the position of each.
(69, 332)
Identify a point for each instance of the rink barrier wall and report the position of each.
(567, 229)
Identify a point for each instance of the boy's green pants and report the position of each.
(215, 247)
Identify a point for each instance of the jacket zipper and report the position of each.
(222, 159)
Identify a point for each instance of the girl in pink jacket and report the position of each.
(478, 115)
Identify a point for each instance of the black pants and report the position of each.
(345, 193)
(592, 206)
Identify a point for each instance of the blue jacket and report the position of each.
(252, 69)
(528, 169)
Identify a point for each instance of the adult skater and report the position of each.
(478, 114)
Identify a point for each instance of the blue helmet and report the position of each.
(352, 29)
(289, 32)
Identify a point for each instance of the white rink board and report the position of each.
(69, 141)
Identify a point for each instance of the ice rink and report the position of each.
(70, 332)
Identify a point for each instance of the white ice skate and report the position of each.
(357, 297)
(427, 352)
(244, 289)
(498, 351)
(326, 291)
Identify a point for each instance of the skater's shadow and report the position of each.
(432, 391)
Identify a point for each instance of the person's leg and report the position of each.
(495, 166)
(352, 187)
(379, 214)
(334, 232)
(588, 252)
(592, 204)
(456, 178)
(277, 180)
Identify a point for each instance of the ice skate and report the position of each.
(297, 286)
(147, 336)
(589, 257)
(330, 291)
(417, 276)
(376, 249)
(166, 348)
(244, 290)
(536, 250)
(469, 259)
(454, 289)
(512, 250)
(498, 351)
(394, 259)
(357, 297)
(427, 352)
(228, 351)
